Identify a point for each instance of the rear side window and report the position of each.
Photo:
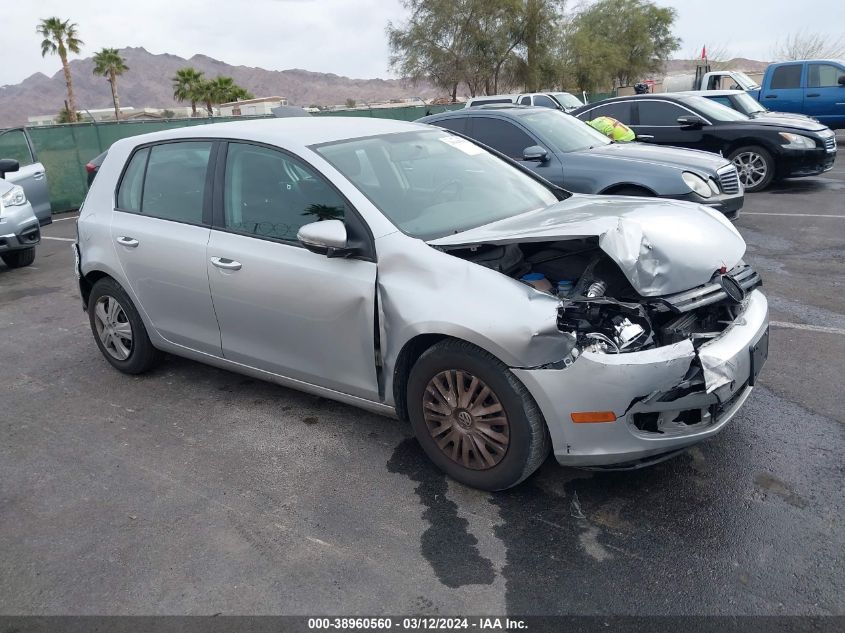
(786, 77)
(660, 113)
(544, 102)
(823, 76)
(174, 184)
(525, 101)
(725, 101)
(619, 110)
(456, 124)
(501, 135)
(129, 193)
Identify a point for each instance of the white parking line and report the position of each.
(792, 215)
(73, 217)
(804, 326)
(60, 239)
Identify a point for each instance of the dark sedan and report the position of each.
(576, 157)
(741, 101)
(763, 149)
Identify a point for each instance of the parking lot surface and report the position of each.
(192, 490)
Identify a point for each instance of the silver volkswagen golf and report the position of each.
(405, 270)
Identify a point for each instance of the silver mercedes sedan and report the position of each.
(405, 270)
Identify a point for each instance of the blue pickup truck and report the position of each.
(815, 87)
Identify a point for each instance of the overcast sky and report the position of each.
(346, 37)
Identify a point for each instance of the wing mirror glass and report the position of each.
(535, 153)
(327, 237)
(690, 122)
(7, 165)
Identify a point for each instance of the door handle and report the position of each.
(771, 96)
(131, 242)
(38, 175)
(814, 94)
(226, 264)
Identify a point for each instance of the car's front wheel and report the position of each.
(118, 329)
(473, 418)
(19, 259)
(756, 167)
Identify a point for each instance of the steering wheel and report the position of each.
(443, 189)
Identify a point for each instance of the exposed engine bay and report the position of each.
(601, 309)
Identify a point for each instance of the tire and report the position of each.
(632, 191)
(523, 434)
(749, 160)
(110, 307)
(19, 259)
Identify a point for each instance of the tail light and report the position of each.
(90, 168)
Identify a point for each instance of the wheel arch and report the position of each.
(619, 186)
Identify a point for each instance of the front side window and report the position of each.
(502, 136)
(269, 194)
(660, 113)
(788, 76)
(563, 131)
(174, 184)
(14, 145)
(823, 76)
(431, 183)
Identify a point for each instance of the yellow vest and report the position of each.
(613, 129)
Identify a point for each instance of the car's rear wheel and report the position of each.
(473, 418)
(19, 259)
(118, 329)
(756, 167)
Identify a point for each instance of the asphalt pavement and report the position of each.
(193, 490)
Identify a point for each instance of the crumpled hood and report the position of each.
(662, 246)
(683, 159)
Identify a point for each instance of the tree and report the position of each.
(109, 64)
(618, 41)
(59, 38)
(808, 45)
(64, 116)
(350, 103)
(219, 90)
(186, 86)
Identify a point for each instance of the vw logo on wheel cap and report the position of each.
(732, 288)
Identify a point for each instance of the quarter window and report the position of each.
(823, 76)
(174, 184)
(659, 113)
(786, 77)
(269, 194)
(501, 135)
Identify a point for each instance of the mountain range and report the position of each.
(147, 84)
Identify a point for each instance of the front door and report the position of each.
(31, 176)
(783, 92)
(160, 231)
(282, 308)
(659, 121)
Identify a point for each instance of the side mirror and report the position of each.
(690, 122)
(7, 165)
(842, 80)
(325, 238)
(535, 153)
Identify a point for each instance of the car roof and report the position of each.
(286, 132)
(714, 93)
(504, 108)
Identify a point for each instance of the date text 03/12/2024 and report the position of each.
(418, 623)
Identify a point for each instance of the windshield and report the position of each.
(567, 100)
(564, 131)
(432, 184)
(714, 111)
(745, 82)
(749, 104)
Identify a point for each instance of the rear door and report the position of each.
(15, 144)
(824, 97)
(281, 307)
(160, 232)
(783, 92)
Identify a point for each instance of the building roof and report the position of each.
(251, 101)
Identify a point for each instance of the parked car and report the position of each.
(554, 100)
(763, 150)
(489, 99)
(93, 166)
(574, 156)
(741, 101)
(15, 144)
(19, 229)
(399, 268)
(815, 87)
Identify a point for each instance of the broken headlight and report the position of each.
(605, 325)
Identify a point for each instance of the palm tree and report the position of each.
(110, 64)
(220, 90)
(186, 86)
(60, 36)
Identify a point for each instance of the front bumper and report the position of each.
(728, 204)
(797, 163)
(27, 237)
(639, 385)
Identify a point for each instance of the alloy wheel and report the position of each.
(113, 327)
(466, 419)
(752, 168)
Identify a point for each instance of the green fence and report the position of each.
(65, 149)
